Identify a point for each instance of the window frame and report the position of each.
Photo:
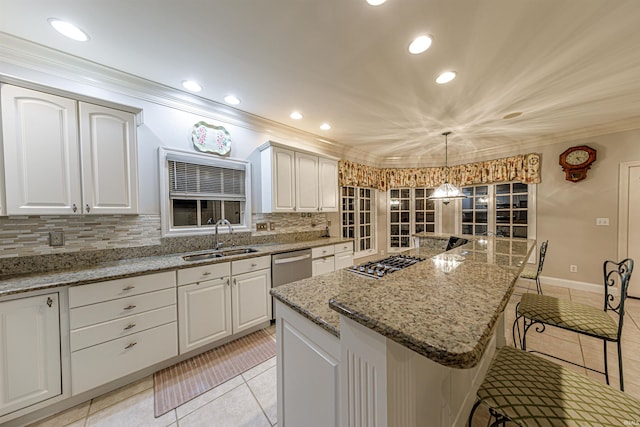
(166, 211)
(412, 217)
(492, 211)
(357, 253)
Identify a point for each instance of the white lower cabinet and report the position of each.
(250, 299)
(204, 313)
(218, 300)
(308, 370)
(343, 257)
(121, 326)
(113, 359)
(30, 369)
(322, 261)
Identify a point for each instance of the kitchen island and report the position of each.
(408, 349)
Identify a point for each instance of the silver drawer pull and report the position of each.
(128, 288)
(130, 345)
(254, 265)
(129, 326)
(206, 273)
(130, 307)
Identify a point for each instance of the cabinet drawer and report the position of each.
(97, 313)
(204, 272)
(322, 251)
(106, 362)
(118, 328)
(343, 247)
(113, 289)
(251, 264)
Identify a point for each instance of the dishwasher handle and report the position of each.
(291, 259)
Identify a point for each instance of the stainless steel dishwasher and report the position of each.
(289, 267)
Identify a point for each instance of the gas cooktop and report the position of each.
(378, 269)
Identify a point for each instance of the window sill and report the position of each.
(183, 232)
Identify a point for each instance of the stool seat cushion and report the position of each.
(568, 315)
(529, 273)
(532, 391)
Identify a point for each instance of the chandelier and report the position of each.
(446, 192)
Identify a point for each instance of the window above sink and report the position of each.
(197, 190)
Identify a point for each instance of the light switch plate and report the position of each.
(56, 238)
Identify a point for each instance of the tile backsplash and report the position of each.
(24, 241)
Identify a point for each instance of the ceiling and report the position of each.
(572, 67)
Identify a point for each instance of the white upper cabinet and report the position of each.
(66, 157)
(307, 183)
(41, 152)
(283, 180)
(108, 140)
(295, 181)
(328, 185)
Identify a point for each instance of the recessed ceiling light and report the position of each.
(513, 115)
(67, 29)
(191, 85)
(325, 126)
(296, 115)
(420, 44)
(376, 2)
(446, 77)
(232, 99)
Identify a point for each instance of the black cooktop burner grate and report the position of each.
(381, 268)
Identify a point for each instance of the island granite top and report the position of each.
(137, 266)
(444, 308)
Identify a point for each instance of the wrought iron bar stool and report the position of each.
(534, 273)
(530, 391)
(542, 310)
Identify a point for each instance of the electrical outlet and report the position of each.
(328, 223)
(261, 226)
(272, 226)
(573, 268)
(56, 238)
(602, 221)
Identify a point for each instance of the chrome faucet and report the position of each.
(223, 221)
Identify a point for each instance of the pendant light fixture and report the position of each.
(446, 192)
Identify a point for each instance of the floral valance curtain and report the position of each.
(524, 168)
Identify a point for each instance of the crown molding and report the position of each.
(41, 59)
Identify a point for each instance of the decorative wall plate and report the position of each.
(210, 138)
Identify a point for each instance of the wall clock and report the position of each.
(576, 161)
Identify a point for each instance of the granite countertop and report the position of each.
(445, 308)
(139, 266)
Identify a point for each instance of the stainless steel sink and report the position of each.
(218, 254)
(238, 251)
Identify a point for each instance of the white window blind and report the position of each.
(191, 180)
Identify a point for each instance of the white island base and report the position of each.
(365, 379)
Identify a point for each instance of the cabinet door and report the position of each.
(328, 185)
(204, 313)
(251, 300)
(306, 183)
(284, 185)
(343, 260)
(109, 160)
(29, 351)
(41, 153)
(322, 265)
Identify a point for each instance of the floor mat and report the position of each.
(186, 380)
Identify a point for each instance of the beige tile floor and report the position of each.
(249, 400)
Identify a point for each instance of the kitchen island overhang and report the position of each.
(427, 332)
